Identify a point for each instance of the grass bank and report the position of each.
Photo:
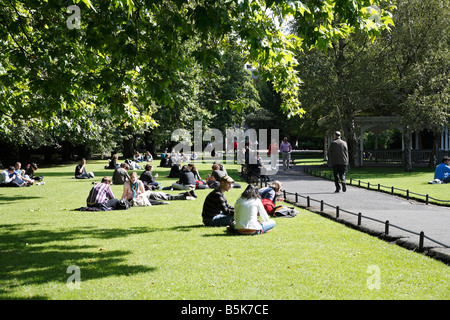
(165, 252)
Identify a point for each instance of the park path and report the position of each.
(432, 220)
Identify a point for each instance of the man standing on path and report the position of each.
(285, 149)
(338, 155)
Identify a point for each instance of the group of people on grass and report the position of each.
(216, 212)
(15, 176)
(243, 218)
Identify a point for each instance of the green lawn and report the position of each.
(165, 252)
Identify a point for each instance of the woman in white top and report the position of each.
(246, 211)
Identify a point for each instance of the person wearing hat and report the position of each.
(338, 155)
(216, 210)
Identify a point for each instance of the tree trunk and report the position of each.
(128, 148)
(435, 151)
(407, 152)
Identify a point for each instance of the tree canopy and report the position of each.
(77, 65)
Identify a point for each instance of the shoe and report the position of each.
(190, 198)
(344, 187)
(192, 193)
(337, 191)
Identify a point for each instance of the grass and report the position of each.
(165, 252)
(415, 182)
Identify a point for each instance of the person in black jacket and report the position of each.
(186, 181)
(147, 178)
(338, 155)
(216, 210)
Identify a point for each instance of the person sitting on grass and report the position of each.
(217, 173)
(120, 175)
(269, 196)
(113, 162)
(80, 171)
(133, 187)
(246, 211)
(7, 178)
(186, 181)
(148, 157)
(19, 176)
(147, 178)
(137, 157)
(166, 162)
(30, 172)
(175, 170)
(216, 210)
(101, 195)
(442, 172)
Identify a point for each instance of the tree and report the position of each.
(123, 56)
(402, 72)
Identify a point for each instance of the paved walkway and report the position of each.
(432, 220)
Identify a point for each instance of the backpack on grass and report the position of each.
(285, 212)
(122, 204)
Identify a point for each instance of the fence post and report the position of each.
(386, 227)
(392, 190)
(368, 185)
(350, 181)
(427, 200)
(379, 187)
(407, 194)
(421, 240)
(359, 218)
(321, 205)
(308, 203)
(296, 197)
(337, 212)
(284, 194)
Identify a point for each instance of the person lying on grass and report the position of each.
(246, 211)
(134, 191)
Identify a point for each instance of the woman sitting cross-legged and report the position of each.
(246, 211)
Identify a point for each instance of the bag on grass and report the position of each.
(285, 212)
(123, 204)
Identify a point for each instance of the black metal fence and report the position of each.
(408, 194)
(338, 210)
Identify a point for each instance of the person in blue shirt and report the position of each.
(443, 170)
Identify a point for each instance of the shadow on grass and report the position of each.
(187, 228)
(8, 199)
(36, 257)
